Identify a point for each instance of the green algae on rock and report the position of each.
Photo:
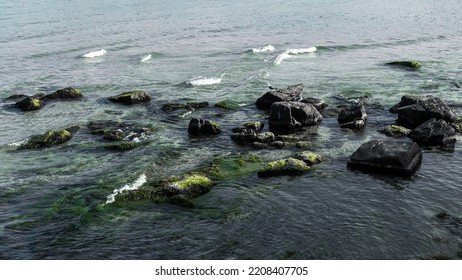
(131, 97)
(65, 93)
(189, 106)
(227, 104)
(47, 139)
(412, 64)
(290, 166)
(30, 104)
(308, 157)
(395, 131)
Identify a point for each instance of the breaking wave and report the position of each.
(100, 52)
(267, 48)
(201, 81)
(129, 187)
(290, 52)
(146, 57)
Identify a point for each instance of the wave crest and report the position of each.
(204, 81)
(100, 52)
(267, 48)
(128, 187)
(290, 52)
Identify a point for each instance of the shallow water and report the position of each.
(51, 200)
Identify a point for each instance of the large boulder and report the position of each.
(203, 127)
(352, 116)
(415, 110)
(288, 115)
(47, 139)
(434, 133)
(398, 158)
(30, 104)
(131, 97)
(65, 93)
(291, 93)
(280, 167)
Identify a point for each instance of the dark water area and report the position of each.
(53, 201)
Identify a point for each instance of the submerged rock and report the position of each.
(30, 104)
(398, 158)
(288, 166)
(189, 106)
(308, 157)
(352, 117)
(406, 64)
(203, 127)
(65, 93)
(265, 137)
(227, 104)
(131, 97)
(47, 139)
(122, 146)
(415, 110)
(395, 131)
(291, 93)
(114, 135)
(434, 133)
(289, 115)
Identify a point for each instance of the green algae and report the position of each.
(227, 104)
(308, 157)
(47, 139)
(290, 166)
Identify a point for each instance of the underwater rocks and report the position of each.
(30, 104)
(65, 93)
(415, 110)
(308, 157)
(184, 188)
(395, 131)
(203, 127)
(47, 139)
(290, 166)
(412, 65)
(434, 133)
(352, 117)
(398, 158)
(131, 97)
(291, 93)
(227, 104)
(289, 115)
(188, 106)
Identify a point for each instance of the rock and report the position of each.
(131, 97)
(122, 146)
(255, 126)
(47, 139)
(265, 137)
(203, 127)
(259, 145)
(291, 93)
(303, 144)
(352, 117)
(65, 93)
(189, 106)
(406, 64)
(245, 136)
(288, 166)
(30, 104)
(434, 133)
(278, 144)
(289, 115)
(114, 135)
(227, 104)
(395, 131)
(317, 103)
(308, 157)
(187, 187)
(415, 110)
(398, 158)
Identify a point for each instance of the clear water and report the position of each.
(50, 200)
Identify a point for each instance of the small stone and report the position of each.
(131, 97)
(65, 93)
(203, 127)
(352, 117)
(30, 104)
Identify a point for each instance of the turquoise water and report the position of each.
(51, 200)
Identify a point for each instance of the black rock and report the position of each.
(352, 117)
(265, 137)
(65, 93)
(398, 158)
(244, 136)
(434, 133)
(47, 139)
(289, 115)
(291, 93)
(131, 97)
(317, 103)
(415, 110)
(203, 127)
(406, 64)
(395, 131)
(30, 104)
(189, 106)
(114, 135)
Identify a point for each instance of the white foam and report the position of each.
(17, 144)
(129, 187)
(101, 52)
(205, 81)
(146, 57)
(267, 48)
(290, 52)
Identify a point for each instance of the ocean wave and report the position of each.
(290, 52)
(128, 187)
(146, 57)
(267, 48)
(17, 144)
(100, 52)
(201, 81)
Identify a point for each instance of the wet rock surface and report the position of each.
(291, 93)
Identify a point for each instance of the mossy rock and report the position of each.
(265, 137)
(141, 194)
(406, 64)
(47, 139)
(131, 97)
(187, 187)
(189, 106)
(65, 93)
(308, 157)
(231, 166)
(290, 166)
(30, 104)
(255, 125)
(227, 104)
(395, 131)
(303, 144)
